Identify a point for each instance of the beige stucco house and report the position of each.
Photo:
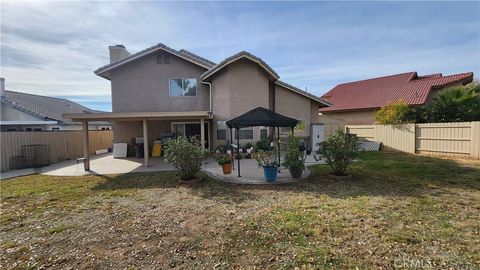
(161, 90)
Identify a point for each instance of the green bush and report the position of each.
(186, 155)
(263, 144)
(294, 158)
(339, 151)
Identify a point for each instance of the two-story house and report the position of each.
(162, 90)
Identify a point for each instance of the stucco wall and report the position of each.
(236, 89)
(293, 105)
(11, 114)
(354, 118)
(143, 85)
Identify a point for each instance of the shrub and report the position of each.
(266, 158)
(339, 151)
(294, 158)
(394, 113)
(457, 104)
(186, 155)
(263, 144)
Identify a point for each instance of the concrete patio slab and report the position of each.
(105, 164)
(251, 174)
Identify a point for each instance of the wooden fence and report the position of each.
(62, 145)
(440, 139)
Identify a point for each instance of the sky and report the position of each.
(52, 48)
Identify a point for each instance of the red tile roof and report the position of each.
(377, 92)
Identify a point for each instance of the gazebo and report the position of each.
(260, 117)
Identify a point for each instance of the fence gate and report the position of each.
(318, 132)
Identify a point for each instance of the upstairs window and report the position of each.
(183, 87)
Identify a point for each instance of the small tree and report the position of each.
(339, 151)
(457, 104)
(186, 155)
(394, 113)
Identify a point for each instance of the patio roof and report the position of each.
(137, 115)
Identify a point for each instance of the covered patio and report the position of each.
(145, 118)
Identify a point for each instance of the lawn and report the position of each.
(395, 211)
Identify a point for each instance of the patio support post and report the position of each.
(145, 143)
(231, 149)
(278, 145)
(86, 146)
(238, 151)
(202, 131)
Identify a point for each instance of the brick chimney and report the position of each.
(117, 53)
(2, 87)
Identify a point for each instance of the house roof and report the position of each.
(42, 107)
(211, 66)
(377, 92)
(302, 92)
(241, 55)
(189, 56)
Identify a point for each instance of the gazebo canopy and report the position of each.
(261, 117)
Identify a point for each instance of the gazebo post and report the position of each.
(238, 150)
(278, 145)
(231, 149)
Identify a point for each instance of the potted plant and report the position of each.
(269, 161)
(294, 158)
(226, 164)
(186, 155)
(249, 147)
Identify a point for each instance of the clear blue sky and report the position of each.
(52, 48)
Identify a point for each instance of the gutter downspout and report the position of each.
(210, 86)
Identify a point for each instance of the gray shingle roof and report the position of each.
(302, 92)
(184, 53)
(43, 107)
(242, 54)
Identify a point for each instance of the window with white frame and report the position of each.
(183, 87)
(221, 130)
(244, 133)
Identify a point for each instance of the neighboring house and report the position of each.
(161, 90)
(28, 112)
(357, 102)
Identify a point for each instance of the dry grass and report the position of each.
(396, 210)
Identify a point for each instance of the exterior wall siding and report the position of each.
(238, 88)
(143, 86)
(354, 117)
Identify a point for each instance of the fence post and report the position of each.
(475, 140)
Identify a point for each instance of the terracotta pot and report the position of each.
(227, 168)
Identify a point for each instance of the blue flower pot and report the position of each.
(270, 173)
